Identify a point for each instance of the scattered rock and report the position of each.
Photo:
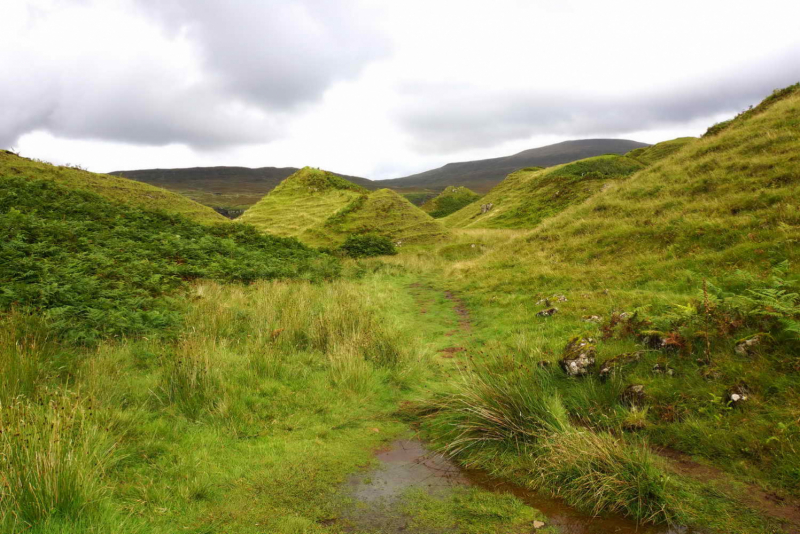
(592, 319)
(579, 356)
(485, 208)
(663, 369)
(653, 340)
(612, 365)
(633, 396)
(737, 395)
(560, 298)
(747, 347)
(538, 524)
(545, 302)
(548, 312)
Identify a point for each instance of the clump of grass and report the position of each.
(26, 353)
(52, 460)
(190, 381)
(601, 473)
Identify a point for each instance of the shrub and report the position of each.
(367, 245)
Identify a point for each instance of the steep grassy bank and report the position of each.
(116, 189)
(529, 196)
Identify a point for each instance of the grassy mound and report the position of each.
(527, 197)
(303, 201)
(97, 268)
(452, 199)
(113, 188)
(652, 154)
(382, 212)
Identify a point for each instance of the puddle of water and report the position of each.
(408, 464)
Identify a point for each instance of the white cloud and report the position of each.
(371, 88)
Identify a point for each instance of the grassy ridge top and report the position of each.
(651, 154)
(727, 201)
(528, 196)
(452, 199)
(113, 188)
(382, 212)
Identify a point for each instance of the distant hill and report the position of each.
(229, 190)
(482, 175)
(452, 199)
(527, 197)
(114, 188)
(322, 209)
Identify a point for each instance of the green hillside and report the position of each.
(651, 154)
(452, 199)
(111, 187)
(527, 197)
(304, 200)
(322, 209)
(382, 212)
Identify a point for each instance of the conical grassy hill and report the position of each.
(116, 189)
(652, 154)
(301, 202)
(452, 199)
(322, 209)
(528, 196)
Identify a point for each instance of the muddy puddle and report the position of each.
(407, 464)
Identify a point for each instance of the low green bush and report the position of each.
(367, 245)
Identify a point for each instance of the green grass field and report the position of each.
(670, 276)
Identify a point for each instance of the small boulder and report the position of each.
(747, 347)
(579, 356)
(560, 298)
(633, 396)
(548, 312)
(538, 524)
(592, 319)
(543, 302)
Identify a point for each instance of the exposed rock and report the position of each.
(579, 356)
(485, 208)
(543, 302)
(592, 319)
(663, 369)
(538, 524)
(613, 365)
(737, 395)
(548, 312)
(560, 298)
(633, 396)
(747, 347)
(653, 340)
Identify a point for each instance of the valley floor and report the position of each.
(265, 413)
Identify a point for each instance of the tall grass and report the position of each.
(52, 460)
(503, 406)
(26, 353)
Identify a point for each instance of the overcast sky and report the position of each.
(379, 89)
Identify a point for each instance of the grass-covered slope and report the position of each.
(724, 202)
(527, 197)
(111, 187)
(303, 201)
(651, 154)
(452, 199)
(382, 212)
(98, 268)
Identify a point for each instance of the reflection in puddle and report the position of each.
(407, 464)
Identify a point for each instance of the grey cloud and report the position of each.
(444, 118)
(260, 60)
